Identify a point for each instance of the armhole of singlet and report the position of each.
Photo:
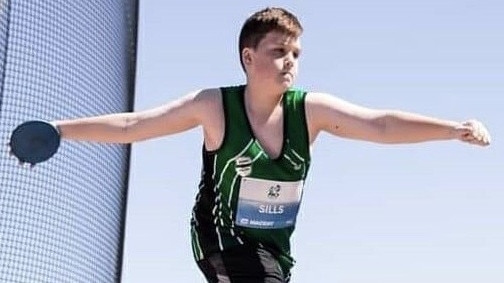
(305, 122)
(298, 99)
(223, 95)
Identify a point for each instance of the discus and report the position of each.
(34, 141)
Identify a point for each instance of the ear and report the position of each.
(246, 56)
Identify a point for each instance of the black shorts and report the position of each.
(243, 264)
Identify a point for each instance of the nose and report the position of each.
(288, 64)
(289, 61)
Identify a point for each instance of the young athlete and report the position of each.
(256, 148)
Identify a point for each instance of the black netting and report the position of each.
(63, 220)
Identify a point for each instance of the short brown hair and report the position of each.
(260, 23)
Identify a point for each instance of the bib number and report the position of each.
(266, 204)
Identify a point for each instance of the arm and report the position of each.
(341, 118)
(177, 116)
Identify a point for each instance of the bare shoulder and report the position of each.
(209, 102)
(212, 116)
(316, 108)
(208, 96)
(319, 104)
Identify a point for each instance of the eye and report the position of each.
(279, 51)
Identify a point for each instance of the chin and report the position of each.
(287, 84)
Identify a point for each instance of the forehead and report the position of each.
(280, 38)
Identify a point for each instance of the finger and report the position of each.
(469, 138)
(478, 131)
(486, 136)
(473, 132)
(475, 141)
(483, 136)
(8, 144)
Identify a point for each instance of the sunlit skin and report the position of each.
(271, 68)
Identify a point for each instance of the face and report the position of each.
(275, 60)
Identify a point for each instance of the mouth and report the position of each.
(288, 74)
(287, 78)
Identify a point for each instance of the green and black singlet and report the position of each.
(246, 197)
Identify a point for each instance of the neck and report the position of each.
(262, 100)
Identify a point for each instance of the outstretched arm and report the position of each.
(341, 118)
(180, 115)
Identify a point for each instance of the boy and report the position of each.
(256, 151)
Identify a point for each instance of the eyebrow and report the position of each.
(276, 46)
(283, 44)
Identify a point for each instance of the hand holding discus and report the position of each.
(34, 142)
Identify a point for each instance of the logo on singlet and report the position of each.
(243, 166)
(274, 192)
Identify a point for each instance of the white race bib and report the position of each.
(267, 204)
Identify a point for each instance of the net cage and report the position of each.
(63, 220)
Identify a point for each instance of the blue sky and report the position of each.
(429, 212)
